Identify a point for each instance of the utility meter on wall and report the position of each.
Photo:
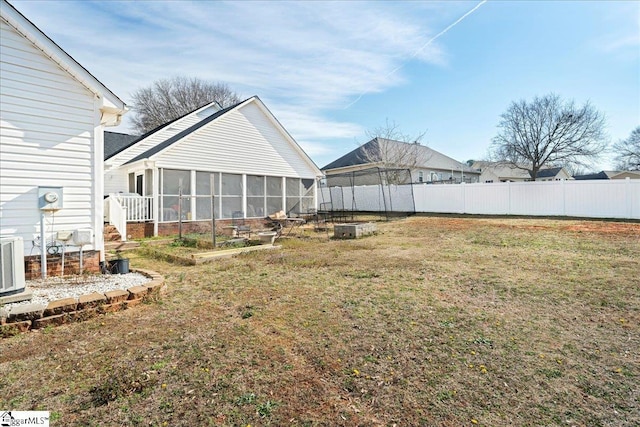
(50, 198)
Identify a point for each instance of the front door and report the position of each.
(140, 184)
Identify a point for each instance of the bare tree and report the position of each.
(574, 169)
(628, 152)
(168, 99)
(393, 151)
(548, 131)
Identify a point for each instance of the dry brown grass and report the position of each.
(434, 321)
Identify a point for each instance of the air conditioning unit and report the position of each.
(11, 265)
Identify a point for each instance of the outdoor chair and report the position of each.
(238, 221)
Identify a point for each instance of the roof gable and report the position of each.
(626, 174)
(269, 122)
(111, 104)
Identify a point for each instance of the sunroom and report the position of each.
(187, 194)
(238, 162)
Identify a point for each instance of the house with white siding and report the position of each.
(52, 116)
(504, 172)
(424, 164)
(255, 166)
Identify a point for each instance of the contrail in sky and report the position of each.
(434, 38)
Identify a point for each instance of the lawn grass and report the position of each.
(434, 321)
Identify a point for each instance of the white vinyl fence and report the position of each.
(591, 198)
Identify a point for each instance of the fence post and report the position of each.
(509, 196)
(464, 198)
(627, 193)
(564, 198)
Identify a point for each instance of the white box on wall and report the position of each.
(82, 236)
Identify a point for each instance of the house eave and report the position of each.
(111, 116)
(112, 105)
(352, 168)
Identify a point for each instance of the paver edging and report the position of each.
(68, 310)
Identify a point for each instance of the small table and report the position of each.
(281, 224)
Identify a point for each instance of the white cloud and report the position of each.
(312, 125)
(622, 42)
(309, 56)
(624, 34)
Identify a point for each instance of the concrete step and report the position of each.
(111, 234)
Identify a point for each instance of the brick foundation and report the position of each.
(90, 264)
(139, 230)
(171, 228)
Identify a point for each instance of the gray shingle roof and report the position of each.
(114, 142)
(548, 173)
(371, 153)
(355, 157)
(599, 175)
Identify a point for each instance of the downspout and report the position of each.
(98, 179)
(155, 185)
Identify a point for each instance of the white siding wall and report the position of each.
(115, 181)
(153, 140)
(47, 126)
(591, 199)
(241, 141)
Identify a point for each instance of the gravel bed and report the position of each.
(55, 288)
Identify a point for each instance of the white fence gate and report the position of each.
(590, 199)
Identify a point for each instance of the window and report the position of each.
(203, 194)
(308, 186)
(420, 176)
(231, 194)
(274, 194)
(265, 195)
(299, 195)
(255, 196)
(173, 181)
(293, 195)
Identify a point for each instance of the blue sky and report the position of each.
(331, 71)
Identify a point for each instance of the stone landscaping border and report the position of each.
(68, 310)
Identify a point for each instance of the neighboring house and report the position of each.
(502, 172)
(553, 174)
(623, 174)
(425, 164)
(599, 175)
(610, 175)
(256, 166)
(53, 113)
